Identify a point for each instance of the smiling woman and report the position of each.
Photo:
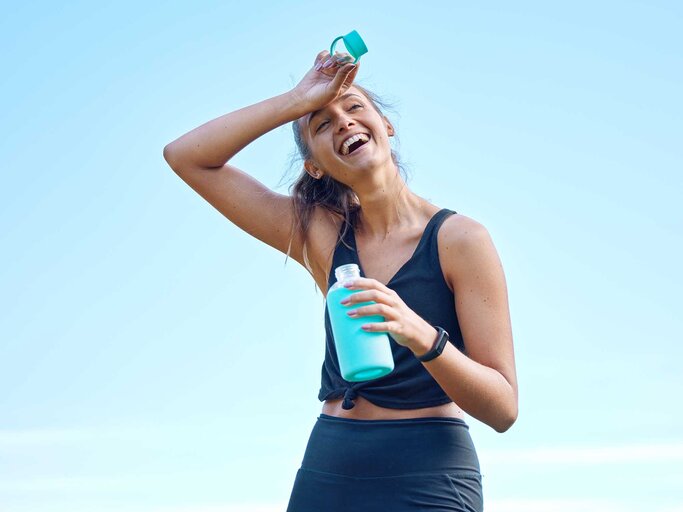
(315, 189)
(398, 442)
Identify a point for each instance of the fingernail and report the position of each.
(318, 66)
(346, 301)
(327, 64)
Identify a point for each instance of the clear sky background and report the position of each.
(155, 358)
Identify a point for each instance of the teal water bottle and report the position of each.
(362, 355)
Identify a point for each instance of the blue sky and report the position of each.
(155, 358)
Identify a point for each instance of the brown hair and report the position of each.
(306, 192)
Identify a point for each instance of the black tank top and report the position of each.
(421, 285)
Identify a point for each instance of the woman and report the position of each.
(399, 442)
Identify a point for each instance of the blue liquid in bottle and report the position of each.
(362, 355)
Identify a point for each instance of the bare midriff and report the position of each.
(366, 410)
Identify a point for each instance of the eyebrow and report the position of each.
(315, 113)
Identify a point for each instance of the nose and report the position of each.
(344, 122)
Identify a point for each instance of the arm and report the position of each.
(214, 143)
(199, 158)
(484, 381)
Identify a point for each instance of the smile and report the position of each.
(358, 150)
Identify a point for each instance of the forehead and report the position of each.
(352, 91)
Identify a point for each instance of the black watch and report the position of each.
(441, 339)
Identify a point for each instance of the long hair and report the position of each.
(306, 192)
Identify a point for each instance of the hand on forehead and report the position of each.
(350, 90)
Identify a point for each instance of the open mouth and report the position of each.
(355, 146)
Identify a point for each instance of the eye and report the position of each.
(325, 122)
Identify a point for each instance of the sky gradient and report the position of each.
(156, 358)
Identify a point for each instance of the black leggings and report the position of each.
(379, 465)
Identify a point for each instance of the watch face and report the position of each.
(442, 341)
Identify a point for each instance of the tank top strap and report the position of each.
(433, 230)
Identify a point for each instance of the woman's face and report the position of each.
(326, 130)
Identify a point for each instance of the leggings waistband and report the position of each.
(402, 421)
(376, 448)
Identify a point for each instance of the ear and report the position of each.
(390, 127)
(313, 169)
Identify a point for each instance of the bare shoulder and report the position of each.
(323, 231)
(459, 229)
(461, 241)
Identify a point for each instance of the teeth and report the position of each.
(351, 140)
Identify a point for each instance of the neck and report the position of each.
(388, 208)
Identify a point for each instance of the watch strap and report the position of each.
(439, 344)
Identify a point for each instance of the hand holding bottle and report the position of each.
(329, 77)
(362, 355)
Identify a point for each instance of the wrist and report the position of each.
(297, 103)
(426, 341)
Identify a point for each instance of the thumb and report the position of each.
(341, 75)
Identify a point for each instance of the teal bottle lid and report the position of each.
(354, 44)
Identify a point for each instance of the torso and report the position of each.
(376, 265)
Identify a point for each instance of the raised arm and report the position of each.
(200, 157)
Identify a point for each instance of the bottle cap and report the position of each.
(354, 44)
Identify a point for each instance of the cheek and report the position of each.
(324, 144)
(381, 138)
(320, 150)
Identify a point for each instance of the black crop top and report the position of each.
(421, 285)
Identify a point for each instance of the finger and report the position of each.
(352, 75)
(368, 282)
(338, 60)
(322, 56)
(373, 309)
(342, 57)
(319, 59)
(328, 63)
(367, 296)
(379, 327)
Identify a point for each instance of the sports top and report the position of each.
(421, 285)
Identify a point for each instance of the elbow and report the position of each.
(173, 159)
(169, 157)
(167, 152)
(506, 421)
(508, 411)
(504, 427)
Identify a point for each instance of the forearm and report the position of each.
(482, 392)
(215, 142)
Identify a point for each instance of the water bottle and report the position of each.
(362, 355)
